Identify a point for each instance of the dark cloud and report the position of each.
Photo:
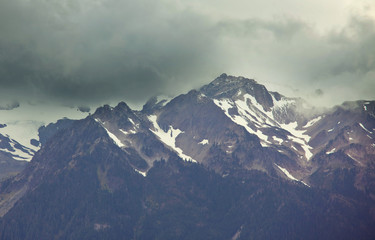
(122, 49)
(81, 52)
(9, 105)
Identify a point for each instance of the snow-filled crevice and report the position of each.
(169, 137)
(332, 151)
(290, 176)
(144, 174)
(312, 122)
(363, 127)
(243, 119)
(299, 137)
(111, 135)
(250, 111)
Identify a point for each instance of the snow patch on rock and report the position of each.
(299, 137)
(332, 151)
(169, 137)
(290, 176)
(363, 127)
(144, 174)
(111, 135)
(203, 142)
(312, 122)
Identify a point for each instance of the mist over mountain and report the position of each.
(230, 160)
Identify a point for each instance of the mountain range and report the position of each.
(230, 160)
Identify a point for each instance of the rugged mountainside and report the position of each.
(228, 161)
(24, 127)
(10, 152)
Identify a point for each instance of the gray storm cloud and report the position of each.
(80, 52)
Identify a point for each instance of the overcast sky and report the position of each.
(97, 51)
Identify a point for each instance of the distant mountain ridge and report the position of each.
(25, 127)
(231, 160)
